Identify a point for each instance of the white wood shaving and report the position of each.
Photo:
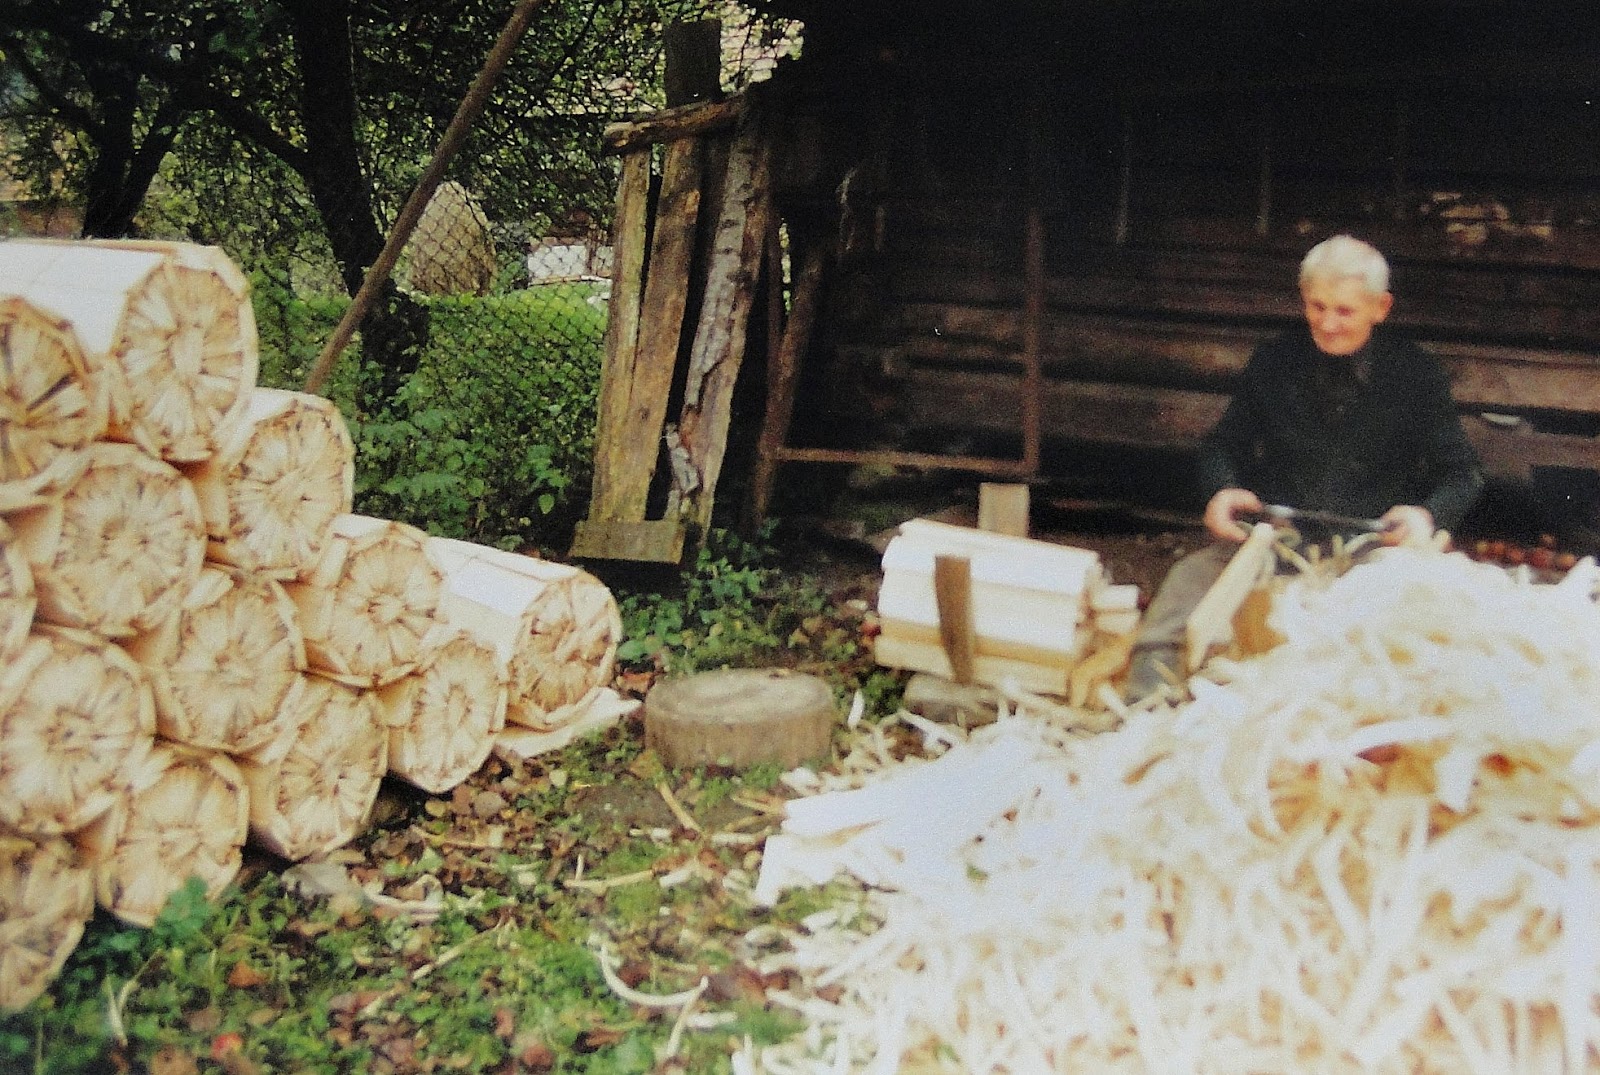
(1373, 848)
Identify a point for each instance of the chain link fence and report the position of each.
(470, 389)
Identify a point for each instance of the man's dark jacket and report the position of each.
(1354, 435)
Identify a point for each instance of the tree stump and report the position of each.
(740, 717)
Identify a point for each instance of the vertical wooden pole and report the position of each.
(782, 376)
(1033, 274)
(1264, 191)
(659, 329)
(719, 340)
(1120, 227)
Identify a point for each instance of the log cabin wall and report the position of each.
(1181, 158)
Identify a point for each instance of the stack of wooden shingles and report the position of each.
(200, 644)
(1019, 610)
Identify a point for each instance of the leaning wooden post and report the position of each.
(719, 340)
(471, 107)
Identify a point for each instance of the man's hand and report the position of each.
(1225, 506)
(1408, 525)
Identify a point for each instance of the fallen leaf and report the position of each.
(171, 1060)
(223, 1044)
(739, 984)
(400, 1051)
(596, 1038)
(505, 1023)
(205, 1020)
(244, 976)
(236, 1063)
(536, 1056)
(350, 1003)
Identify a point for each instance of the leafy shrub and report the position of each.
(736, 608)
(493, 435)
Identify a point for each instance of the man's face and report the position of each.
(1342, 312)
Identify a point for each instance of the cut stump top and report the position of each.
(739, 717)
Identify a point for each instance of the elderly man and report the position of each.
(1339, 416)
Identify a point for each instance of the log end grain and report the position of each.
(740, 717)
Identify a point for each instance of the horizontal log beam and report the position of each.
(1143, 417)
(1194, 355)
(685, 121)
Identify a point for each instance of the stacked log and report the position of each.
(76, 716)
(555, 627)
(369, 608)
(183, 815)
(46, 898)
(313, 785)
(200, 644)
(1024, 612)
(53, 403)
(117, 551)
(223, 667)
(443, 718)
(169, 327)
(273, 488)
(17, 601)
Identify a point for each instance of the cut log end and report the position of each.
(46, 898)
(739, 718)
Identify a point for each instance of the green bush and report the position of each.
(491, 440)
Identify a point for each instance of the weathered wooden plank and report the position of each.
(1211, 622)
(648, 540)
(666, 293)
(1129, 415)
(719, 340)
(685, 121)
(1517, 451)
(622, 334)
(1144, 417)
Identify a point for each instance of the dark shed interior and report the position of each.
(1058, 229)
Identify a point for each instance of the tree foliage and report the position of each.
(300, 126)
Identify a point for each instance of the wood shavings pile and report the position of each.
(1373, 848)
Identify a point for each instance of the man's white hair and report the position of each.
(1343, 256)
